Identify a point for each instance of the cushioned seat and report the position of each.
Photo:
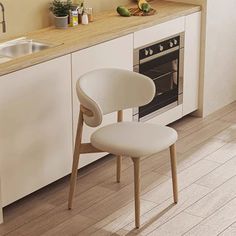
(133, 139)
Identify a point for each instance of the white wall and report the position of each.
(1, 214)
(28, 15)
(220, 64)
(218, 60)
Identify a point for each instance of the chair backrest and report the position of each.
(107, 90)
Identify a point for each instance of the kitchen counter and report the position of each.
(106, 26)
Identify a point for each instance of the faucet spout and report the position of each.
(3, 19)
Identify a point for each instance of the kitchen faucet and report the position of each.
(3, 19)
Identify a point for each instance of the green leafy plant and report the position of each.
(60, 8)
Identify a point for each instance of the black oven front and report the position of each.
(163, 63)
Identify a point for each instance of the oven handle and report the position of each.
(181, 70)
(159, 55)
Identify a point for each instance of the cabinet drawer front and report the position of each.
(158, 32)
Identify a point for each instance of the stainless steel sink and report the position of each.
(21, 47)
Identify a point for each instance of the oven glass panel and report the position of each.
(164, 72)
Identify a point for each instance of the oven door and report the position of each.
(163, 69)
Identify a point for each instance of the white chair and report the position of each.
(108, 90)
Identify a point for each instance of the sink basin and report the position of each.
(21, 47)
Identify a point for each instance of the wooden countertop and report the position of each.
(106, 26)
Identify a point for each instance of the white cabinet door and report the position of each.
(117, 53)
(191, 62)
(35, 127)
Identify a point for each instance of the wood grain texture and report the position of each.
(174, 172)
(215, 199)
(179, 225)
(160, 214)
(217, 222)
(137, 190)
(119, 158)
(106, 26)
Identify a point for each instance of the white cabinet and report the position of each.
(191, 62)
(35, 127)
(158, 32)
(117, 53)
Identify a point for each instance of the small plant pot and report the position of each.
(61, 22)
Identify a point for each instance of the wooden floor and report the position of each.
(207, 185)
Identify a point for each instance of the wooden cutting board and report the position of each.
(138, 12)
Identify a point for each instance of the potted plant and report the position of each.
(60, 10)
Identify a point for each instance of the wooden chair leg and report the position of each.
(136, 162)
(119, 158)
(118, 168)
(75, 160)
(174, 172)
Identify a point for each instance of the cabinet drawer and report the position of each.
(158, 32)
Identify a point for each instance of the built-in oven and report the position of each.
(163, 62)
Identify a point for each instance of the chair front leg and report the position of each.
(75, 160)
(174, 172)
(136, 162)
(118, 168)
(119, 158)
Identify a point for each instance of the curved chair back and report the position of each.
(107, 90)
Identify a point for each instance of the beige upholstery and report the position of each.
(133, 139)
(107, 90)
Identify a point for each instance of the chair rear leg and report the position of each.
(136, 162)
(174, 172)
(118, 168)
(75, 160)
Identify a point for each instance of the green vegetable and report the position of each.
(146, 7)
(123, 11)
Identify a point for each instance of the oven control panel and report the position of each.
(159, 47)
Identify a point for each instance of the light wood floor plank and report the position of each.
(118, 199)
(231, 231)
(120, 218)
(167, 210)
(189, 122)
(148, 164)
(228, 134)
(220, 175)
(214, 200)
(186, 178)
(60, 214)
(217, 222)
(231, 117)
(206, 155)
(72, 226)
(201, 135)
(192, 156)
(24, 218)
(176, 226)
(224, 153)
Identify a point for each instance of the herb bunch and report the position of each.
(60, 8)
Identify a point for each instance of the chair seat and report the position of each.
(134, 139)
